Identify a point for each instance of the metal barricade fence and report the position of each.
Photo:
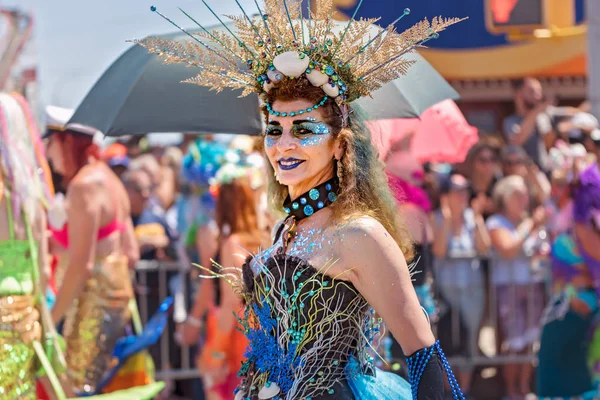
(511, 307)
(156, 280)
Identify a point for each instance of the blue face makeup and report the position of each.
(314, 140)
(308, 131)
(270, 141)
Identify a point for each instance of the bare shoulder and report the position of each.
(363, 228)
(363, 236)
(88, 178)
(85, 188)
(232, 241)
(364, 244)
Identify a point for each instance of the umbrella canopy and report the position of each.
(138, 94)
(442, 134)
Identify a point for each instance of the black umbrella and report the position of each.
(138, 94)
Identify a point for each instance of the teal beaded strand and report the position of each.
(294, 113)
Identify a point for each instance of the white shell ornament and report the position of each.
(317, 78)
(268, 392)
(239, 395)
(331, 90)
(274, 76)
(291, 63)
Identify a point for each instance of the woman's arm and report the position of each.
(131, 249)
(130, 244)
(230, 302)
(589, 240)
(506, 244)
(207, 246)
(83, 219)
(538, 179)
(377, 268)
(482, 236)
(441, 233)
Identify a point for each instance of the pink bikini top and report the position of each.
(62, 235)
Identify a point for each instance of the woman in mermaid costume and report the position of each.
(337, 257)
(95, 296)
(24, 193)
(566, 346)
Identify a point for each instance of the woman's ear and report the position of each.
(339, 145)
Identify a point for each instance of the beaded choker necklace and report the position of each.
(312, 201)
(306, 205)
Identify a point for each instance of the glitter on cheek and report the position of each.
(270, 142)
(313, 140)
(321, 129)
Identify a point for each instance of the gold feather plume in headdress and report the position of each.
(280, 43)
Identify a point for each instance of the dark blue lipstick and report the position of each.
(287, 164)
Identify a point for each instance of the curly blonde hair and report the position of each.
(364, 189)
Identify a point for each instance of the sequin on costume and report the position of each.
(96, 321)
(19, 327)
(19, 319)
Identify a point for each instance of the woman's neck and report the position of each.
(299, 190)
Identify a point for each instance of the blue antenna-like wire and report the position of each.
(347, 27)
(405, 13)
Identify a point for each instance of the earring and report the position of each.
(339, 171)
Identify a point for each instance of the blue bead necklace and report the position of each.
(312, 201)
(294, 113)
(306, 205)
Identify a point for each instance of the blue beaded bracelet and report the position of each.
(416, 366)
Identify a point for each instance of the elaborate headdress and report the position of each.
(284, 42)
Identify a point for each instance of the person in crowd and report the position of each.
(116, 157)
(519, 293)
(515, 161)
(24, 259)
(482, 169)
(532, 126)
(170, 163)
(149, 164)
(460, 239)
(99, 241)
(564, 354)
(154, 237)
(239, 234)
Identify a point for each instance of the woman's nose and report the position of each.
(286, 142)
